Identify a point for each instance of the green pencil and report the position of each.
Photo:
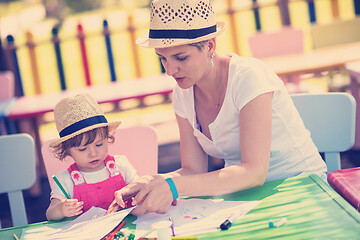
(61, 187)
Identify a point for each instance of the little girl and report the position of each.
(95, 176)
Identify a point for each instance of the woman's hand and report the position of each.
(153, 195)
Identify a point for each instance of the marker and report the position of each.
(61, 187)
(227, 223)
(278, 224)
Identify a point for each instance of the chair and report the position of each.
(17, 172)
(353, 69)
(139, 144)
(7, 93)
(286, 41)
(330, 118)
(7, 85)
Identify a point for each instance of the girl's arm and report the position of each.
(60, 209)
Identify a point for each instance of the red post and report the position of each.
(335, 8)
(81, 37)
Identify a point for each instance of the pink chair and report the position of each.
(7, 85)
(7, 93)
(353, 69)
(139, 144)
(268, 44)
(288, 40)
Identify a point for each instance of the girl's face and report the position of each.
(186, 64)
(90, 157)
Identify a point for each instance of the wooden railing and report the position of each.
(237, 40)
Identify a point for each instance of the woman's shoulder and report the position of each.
(240, 62)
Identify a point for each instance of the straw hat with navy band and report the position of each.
(174, 23)
(79, 114)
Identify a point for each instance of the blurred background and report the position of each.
(55, 45)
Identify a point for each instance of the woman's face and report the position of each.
(186, 64)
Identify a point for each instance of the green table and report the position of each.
(313, 211)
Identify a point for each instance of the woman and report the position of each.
(227, 107)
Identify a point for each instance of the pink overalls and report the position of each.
(99, 194)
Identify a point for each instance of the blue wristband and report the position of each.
(172, 188)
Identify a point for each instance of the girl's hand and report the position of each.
(71, 207)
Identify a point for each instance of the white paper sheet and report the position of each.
(194, 216)
(90, 225)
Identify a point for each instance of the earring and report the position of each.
(211, 61)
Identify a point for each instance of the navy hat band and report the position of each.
(183, 34)
(82, 124)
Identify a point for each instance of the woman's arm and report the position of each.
(150, 187)
(193, 180)
(255, 142)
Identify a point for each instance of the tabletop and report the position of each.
(312, 208)
(6, 106)
(316, 60)
(31, 106)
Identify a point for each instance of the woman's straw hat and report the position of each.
(180, 22)
(79, 114)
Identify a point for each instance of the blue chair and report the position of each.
(17, 172)
(330, 118)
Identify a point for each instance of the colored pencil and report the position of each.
(130, 196)
(117, 228)
(173, 238)
(61, 187)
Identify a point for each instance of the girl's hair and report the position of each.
(62, 150)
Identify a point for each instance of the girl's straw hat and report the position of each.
(79, 114)
(180, 22)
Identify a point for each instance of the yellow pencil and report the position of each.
(16, 238)
(184, 238)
